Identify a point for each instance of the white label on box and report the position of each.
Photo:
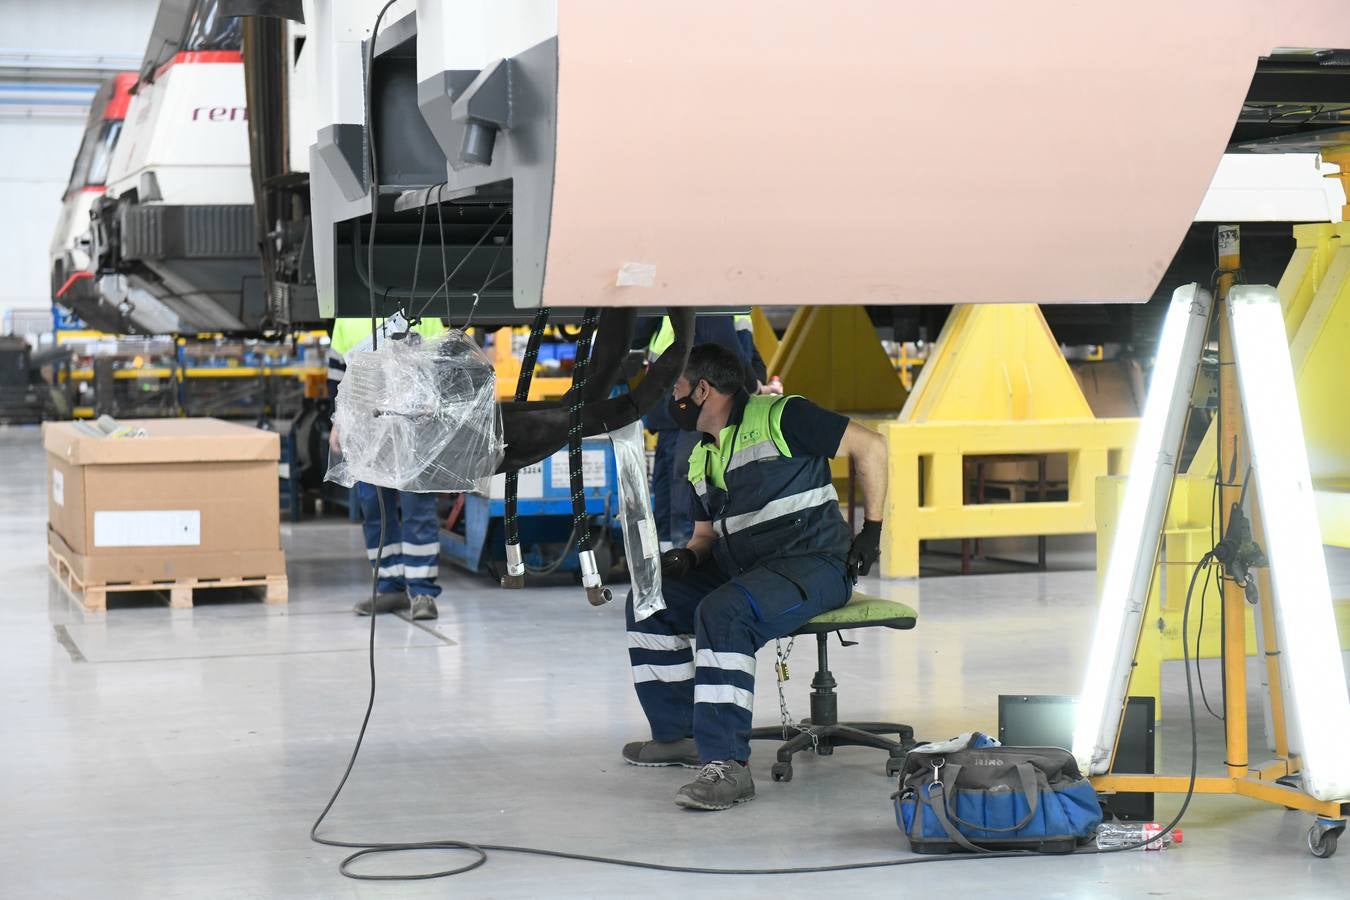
(592, 468)
(148, 528)
(59, 487)
(529, 486)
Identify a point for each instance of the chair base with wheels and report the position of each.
(823, 731)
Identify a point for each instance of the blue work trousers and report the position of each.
(672, 502)
(694, 662)
(408, 561)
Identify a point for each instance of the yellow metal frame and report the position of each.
(831, 354)
(507, 367)
(994, 384)
(1315, 293)
(1243, 779)
(1186, 538)
(1257, 784)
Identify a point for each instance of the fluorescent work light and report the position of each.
(1317, 702)
(1135, 545)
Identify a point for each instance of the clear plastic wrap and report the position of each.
(640, 545)
(418, 415)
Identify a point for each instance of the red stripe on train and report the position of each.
(192, 57)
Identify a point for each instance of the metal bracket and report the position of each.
(484, 107)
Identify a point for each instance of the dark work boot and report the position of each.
(384, 603)
(718, 786)
(662, 753)
(423, 608)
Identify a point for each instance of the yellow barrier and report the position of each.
(995, 385)
(931, 455)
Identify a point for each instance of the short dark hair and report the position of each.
(716, 365)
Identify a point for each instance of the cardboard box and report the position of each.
(194, 498)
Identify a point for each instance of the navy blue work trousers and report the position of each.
(694, 662)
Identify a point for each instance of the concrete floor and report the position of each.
(184, 753)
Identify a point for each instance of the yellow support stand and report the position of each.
(995, 385)
(1186, 537)
(1315, 293)
(507, 367)
(1192, 493)
(995, 362)
(766, 342)
(831, 355)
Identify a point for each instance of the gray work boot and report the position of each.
(662, 753)
(384, 603)
(718, 786)
(423, 608)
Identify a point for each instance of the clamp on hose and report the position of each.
(596, 592)
(514, 579)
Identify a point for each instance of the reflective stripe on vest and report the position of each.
(763, 501)
(781, 507)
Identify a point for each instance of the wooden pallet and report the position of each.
(94, 597)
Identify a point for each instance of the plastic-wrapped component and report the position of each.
(640, 545)
(418, 415)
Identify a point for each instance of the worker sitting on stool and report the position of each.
(770, 550)
(408, 561)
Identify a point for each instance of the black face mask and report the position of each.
(685, 411)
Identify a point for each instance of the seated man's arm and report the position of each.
(866, 449)
(702, 541)
(679, 562)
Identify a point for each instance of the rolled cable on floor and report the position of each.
(515, 563)
(596, 592)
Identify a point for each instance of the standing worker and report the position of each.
(770, 550)
(409, 560)
(670, 465)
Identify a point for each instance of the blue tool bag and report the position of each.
(959, 796)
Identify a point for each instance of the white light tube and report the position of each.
(1129, 569)
(1318, 704)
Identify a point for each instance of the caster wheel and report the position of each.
(781, 772)
(1322, 842)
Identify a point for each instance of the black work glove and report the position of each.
(677, 563)
(866, 550)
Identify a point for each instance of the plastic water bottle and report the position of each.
(1126, 834)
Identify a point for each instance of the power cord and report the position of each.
(479, 852)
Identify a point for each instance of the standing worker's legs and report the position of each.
(421, 551)
(662, 467)
(681, 494)
(388, 559)
(731, 623)
(663, 669)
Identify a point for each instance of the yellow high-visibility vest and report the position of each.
(350, 331)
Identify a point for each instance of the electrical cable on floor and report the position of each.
(479, 852)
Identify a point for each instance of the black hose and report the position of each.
(577, 396)
(527, 364)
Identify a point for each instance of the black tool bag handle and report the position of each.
(944, 806)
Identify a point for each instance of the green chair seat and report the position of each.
(862, 611)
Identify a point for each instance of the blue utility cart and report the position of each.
(475, 538)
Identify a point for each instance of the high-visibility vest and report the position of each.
(763, 501)
(350, 331)
(665, 335)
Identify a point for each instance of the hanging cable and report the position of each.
(515, 564)
(591, 579)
